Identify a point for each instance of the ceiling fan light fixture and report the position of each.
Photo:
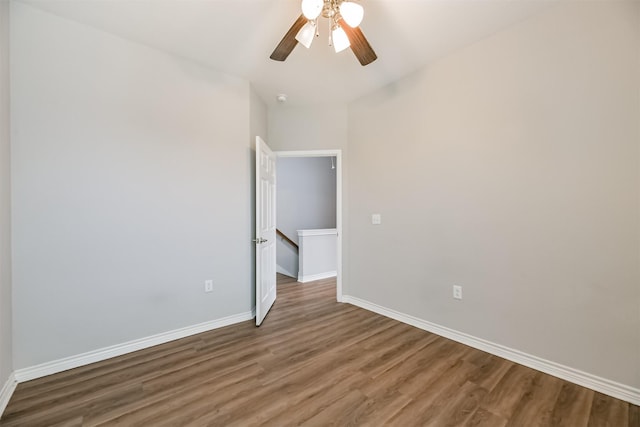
(352, 13)
(306, 34)
(344, 18)
(340, 39)
(311, 9)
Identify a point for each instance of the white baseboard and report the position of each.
(48, 368)
(312, 277)
(7, 391)
(602, 385)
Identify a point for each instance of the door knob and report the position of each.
(260, 240)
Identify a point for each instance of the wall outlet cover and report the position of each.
(208, 285)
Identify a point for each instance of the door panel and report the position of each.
(265, 229)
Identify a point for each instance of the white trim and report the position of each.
(318, 232)
(320, 276)
(338, 155)
(602, 385)
(308, 153)
(53, 367)
(7, 391)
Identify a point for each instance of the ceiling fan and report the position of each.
(344, 20)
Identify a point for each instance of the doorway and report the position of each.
(337, 155)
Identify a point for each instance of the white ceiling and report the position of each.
(237, 37)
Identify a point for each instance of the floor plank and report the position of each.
(312, 362)
(607, 412)
(572, 406)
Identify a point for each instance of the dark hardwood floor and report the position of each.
(313, 362)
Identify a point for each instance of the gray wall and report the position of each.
(258, 118)
(306, 199)
(6, 345)
(511, 168)
(310, 128)
(131, 181)
(258, 126)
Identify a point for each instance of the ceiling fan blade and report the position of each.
(359, 44)
(289, 41)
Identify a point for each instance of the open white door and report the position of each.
(265, 229)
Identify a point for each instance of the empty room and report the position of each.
(469, 257)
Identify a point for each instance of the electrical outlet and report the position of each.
(457, 292)
(208, 285)
(376, 219)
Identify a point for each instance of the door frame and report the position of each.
(338, 155)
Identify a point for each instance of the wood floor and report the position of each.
(313, 362)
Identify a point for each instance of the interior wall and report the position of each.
(258, 117)
(511, 168)
(306, 196)
(6, 344)
(306, 199)
(131, 173)
(308, 128)
(258, 126)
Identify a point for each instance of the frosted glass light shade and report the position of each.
(352, 13)
(311, 8)
(306, 34)
(340, 39)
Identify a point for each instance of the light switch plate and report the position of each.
(376, 219)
